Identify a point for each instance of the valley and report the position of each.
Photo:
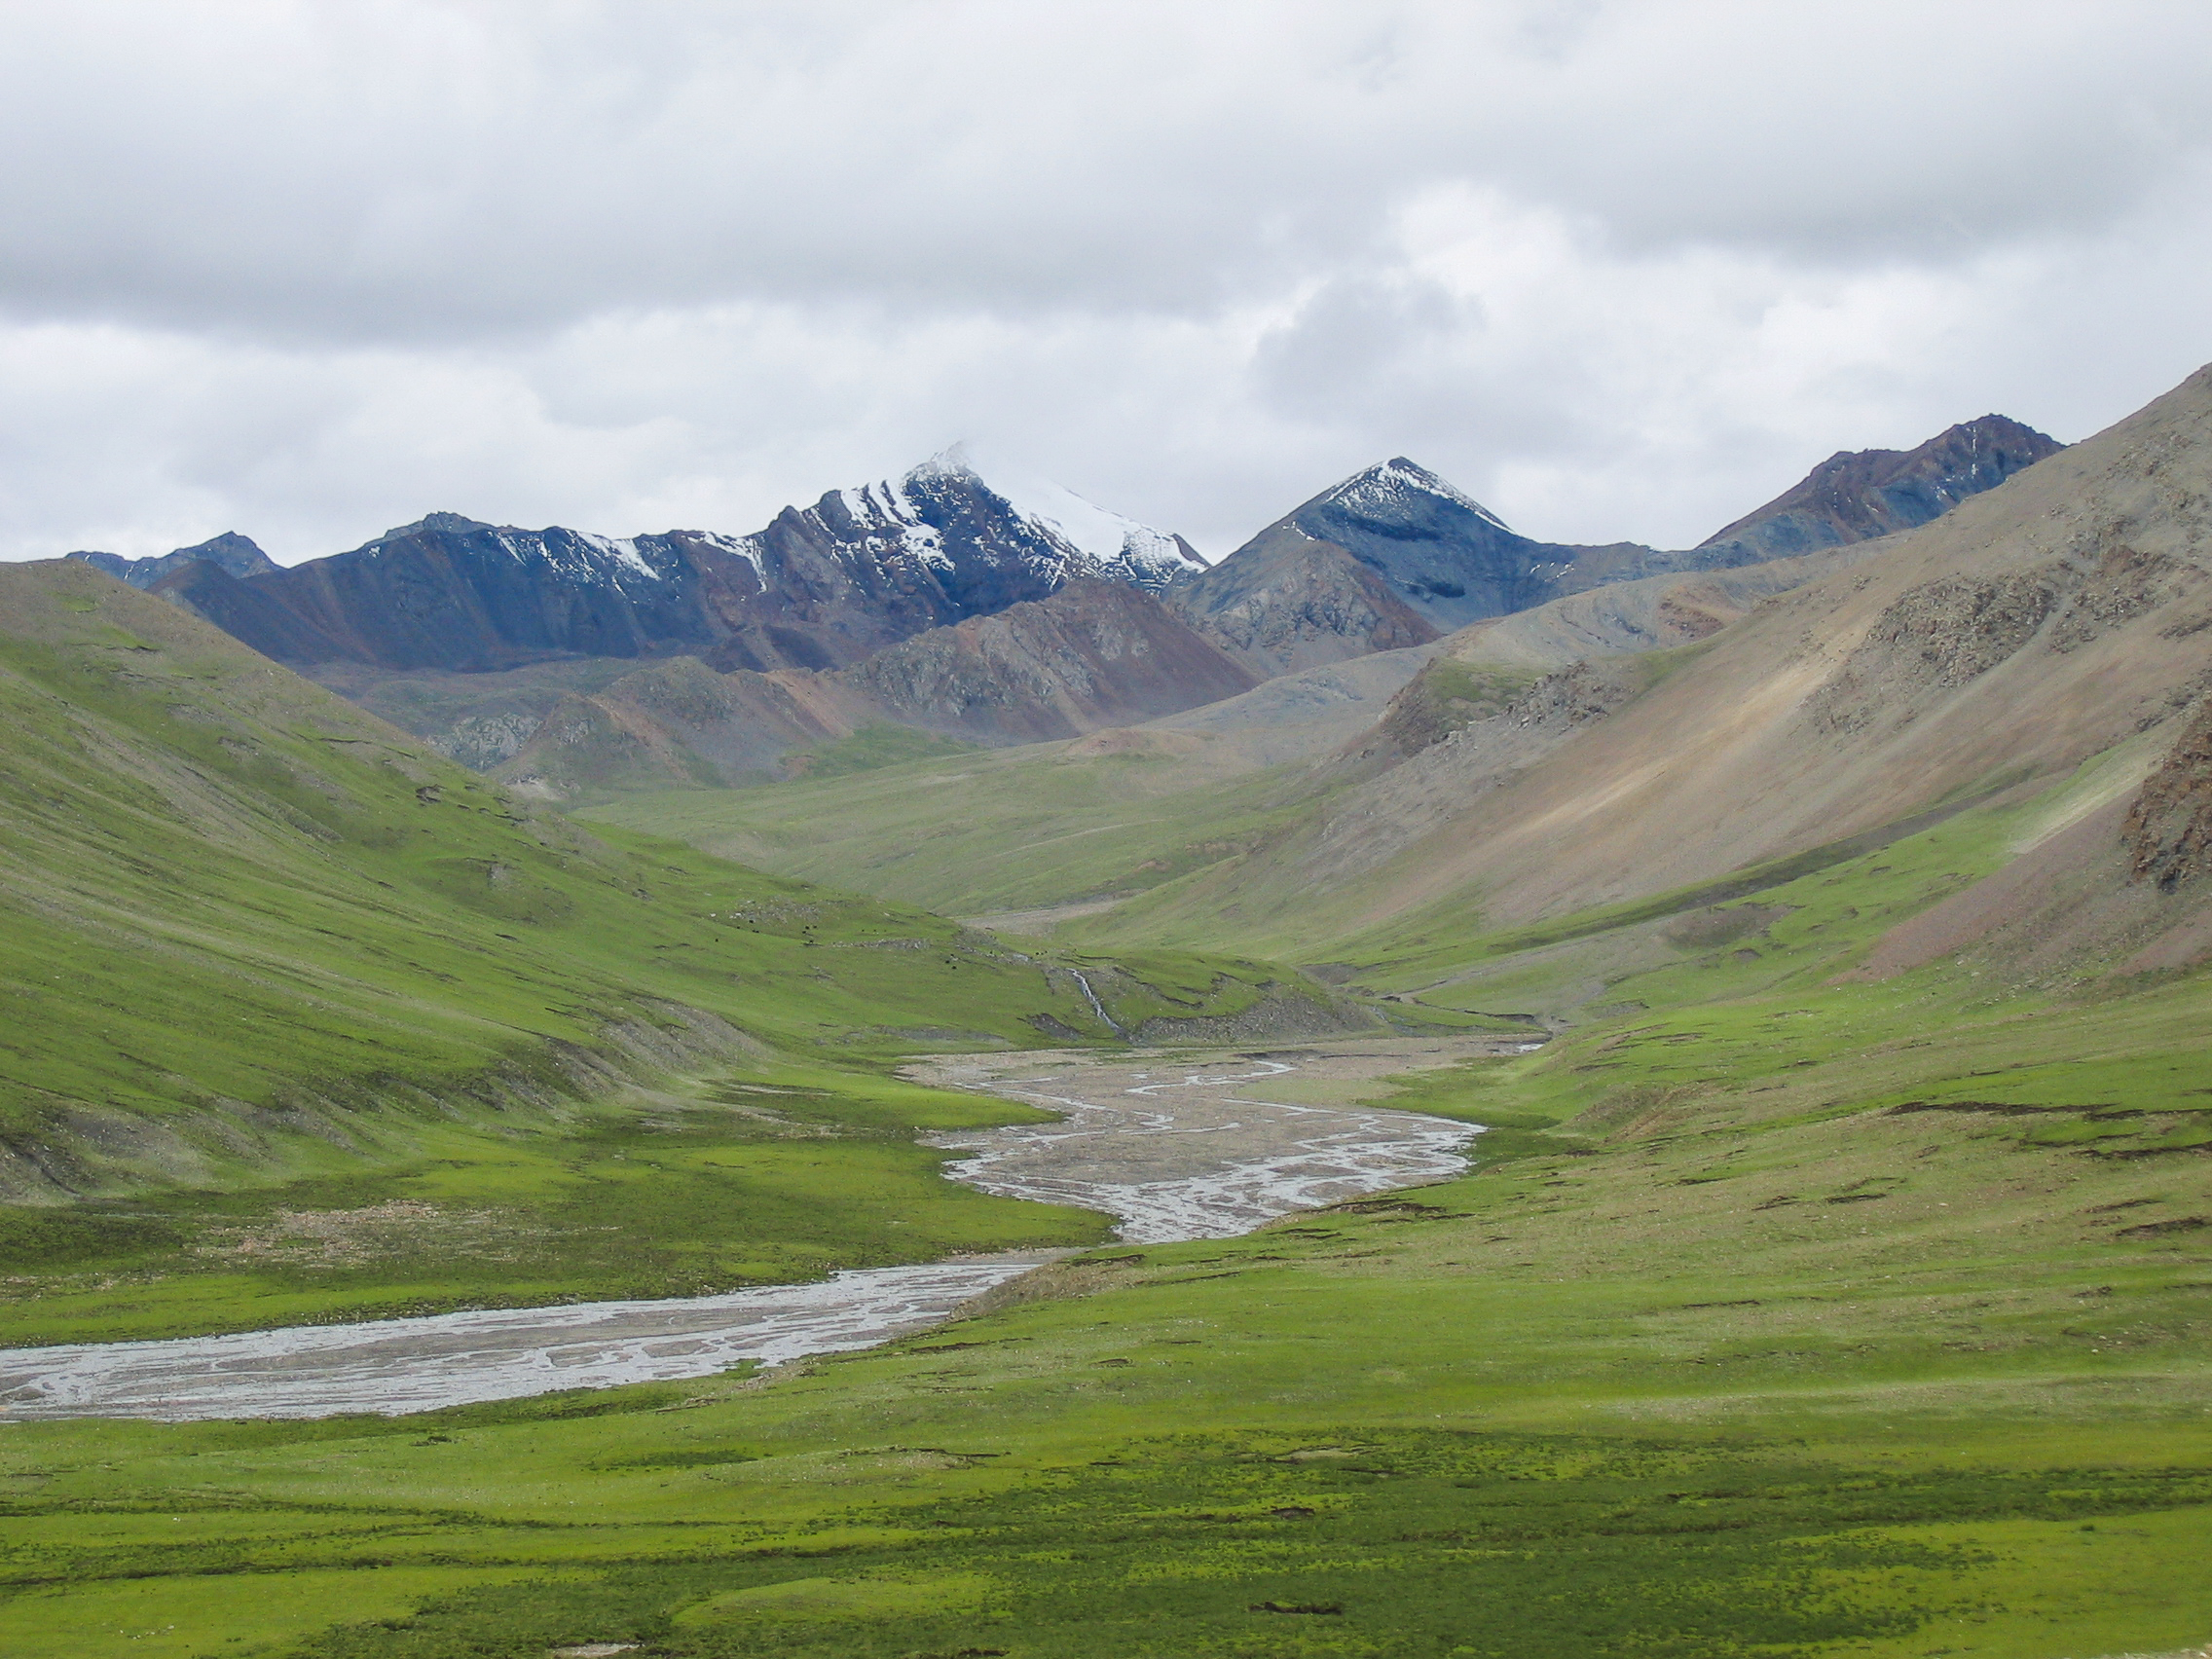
(1413, 1092)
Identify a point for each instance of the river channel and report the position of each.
(1204, 1146)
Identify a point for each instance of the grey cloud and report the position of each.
(398, 171)
(310, 268)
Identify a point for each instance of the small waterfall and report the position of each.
(1098, 1007)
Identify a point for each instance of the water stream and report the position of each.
(456, 1359)
(1096, 1007)
(1194, 1153)
(1175, 1153)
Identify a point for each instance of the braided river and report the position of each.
(1175, 1148)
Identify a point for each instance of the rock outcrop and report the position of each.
(2168, 830)
(1935, 637)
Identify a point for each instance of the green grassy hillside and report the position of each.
(260, 958)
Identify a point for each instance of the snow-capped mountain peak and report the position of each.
(1109, 544)
(1384, 490)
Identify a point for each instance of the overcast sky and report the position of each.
(1623, 271)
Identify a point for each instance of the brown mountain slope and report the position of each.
(1475, 674)
(1094, 654)
(1645, 614)
(678, 721)
(2121, 883)
(2033, 627)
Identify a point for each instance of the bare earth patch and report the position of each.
(357, 1237)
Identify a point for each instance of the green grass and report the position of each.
(1728, 1368)
(873, 745)
(1739, 1341)
(998, 829)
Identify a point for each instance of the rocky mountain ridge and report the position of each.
(998, 611)
(1394, 555)
(1855, 495)
(819, 587)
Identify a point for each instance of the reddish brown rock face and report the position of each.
(1094, 654)
(2168, 832)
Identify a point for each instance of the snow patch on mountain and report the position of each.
(1109, 544)
(623, 550)
(745, 547)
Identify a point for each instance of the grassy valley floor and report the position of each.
(299, 1022)
(1831, 1358)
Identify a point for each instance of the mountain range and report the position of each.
(817, 588)
(993, 609)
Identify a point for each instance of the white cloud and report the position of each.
(309, 270)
